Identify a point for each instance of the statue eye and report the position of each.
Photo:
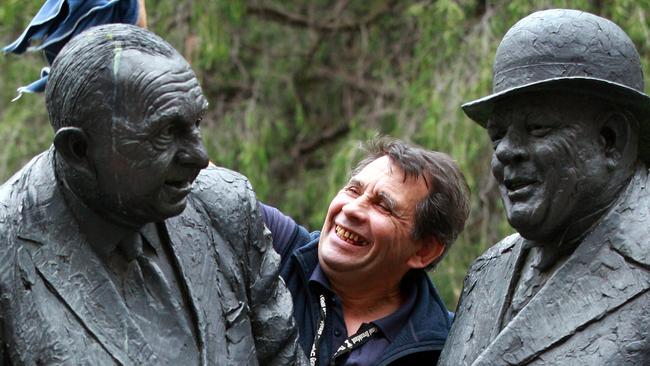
(539, 130)
(164, 136)
(495, 137)
(198, 122)
(166, 132)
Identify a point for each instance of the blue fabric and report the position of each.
(420, 338)
(282, 226)
(390, 326)
(59, 20)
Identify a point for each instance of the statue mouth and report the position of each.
(519, 187)
(178, 188)
(179, 184)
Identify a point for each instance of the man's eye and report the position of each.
(384, 207)
(352, 190)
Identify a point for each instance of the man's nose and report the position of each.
(193, 153)
(357, 208)
(512, 147)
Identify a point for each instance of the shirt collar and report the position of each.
(318, 279)
(390, 325)
(393, 324)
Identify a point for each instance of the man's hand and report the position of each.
(142, 15)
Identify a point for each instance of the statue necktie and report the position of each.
(150, 300)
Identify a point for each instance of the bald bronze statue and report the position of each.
(569, 123)
(117, 245)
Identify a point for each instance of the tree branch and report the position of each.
(297, 20)
(326, 137)
(354, 81)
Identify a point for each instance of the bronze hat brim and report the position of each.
(480, 110)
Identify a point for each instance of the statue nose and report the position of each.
(511, 148)
(194, 156)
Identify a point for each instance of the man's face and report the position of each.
(150, 150)
(548, 161)
(367, 232)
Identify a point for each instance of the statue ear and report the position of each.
(71, 144)
(430, 250)
(618, 137)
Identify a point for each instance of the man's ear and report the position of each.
(71, 144)
(618, 137)
(430, 250)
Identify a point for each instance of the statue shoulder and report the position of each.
(36, 176)
(222, 181)
(224, 192)
(504, 246)
(497, 253)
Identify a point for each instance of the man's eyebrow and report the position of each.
(354, 182)
(388, 200)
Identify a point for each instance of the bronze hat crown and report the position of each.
(570, 50)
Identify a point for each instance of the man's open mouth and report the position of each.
(350, 237)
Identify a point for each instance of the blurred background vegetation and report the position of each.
(296, 85)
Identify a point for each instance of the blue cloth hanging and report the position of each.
(59, 20)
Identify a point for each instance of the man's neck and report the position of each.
(363, 304)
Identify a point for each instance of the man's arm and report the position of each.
(283, 228)
(274, 329)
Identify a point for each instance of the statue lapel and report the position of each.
(73, 271)
(594, 281)
(192, 242)
(481, 296)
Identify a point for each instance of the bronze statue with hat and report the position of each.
(568, 119)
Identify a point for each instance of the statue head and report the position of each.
(568, 121)
(126, 107)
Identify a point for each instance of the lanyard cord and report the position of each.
(313, 355)
(363, 335)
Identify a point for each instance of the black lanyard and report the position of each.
(363, 335)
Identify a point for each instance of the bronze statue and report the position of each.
(569, 122)
(116, 245)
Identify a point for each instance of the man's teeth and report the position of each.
(344, 234)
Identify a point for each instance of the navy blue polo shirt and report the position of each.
(389, 326)
(283, 228)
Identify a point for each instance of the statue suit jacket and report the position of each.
(595, 309)
(58, 306)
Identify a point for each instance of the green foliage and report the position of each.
(296, 86)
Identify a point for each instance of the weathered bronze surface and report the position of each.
(116, 245)
(569, 122)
